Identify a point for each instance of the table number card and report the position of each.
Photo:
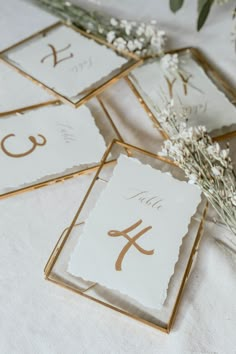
(47, 141)
(191, 88)
(66, 61)
(131, 239)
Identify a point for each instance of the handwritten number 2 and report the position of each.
(33, 140)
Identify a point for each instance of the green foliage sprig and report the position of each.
(204, 7)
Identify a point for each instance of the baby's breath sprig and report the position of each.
(141, 39)
(203, 161)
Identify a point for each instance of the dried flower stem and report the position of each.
(204, 162)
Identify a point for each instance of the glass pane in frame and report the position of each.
(12, 84)
(56, 268)
(208, 98)
(69, 63)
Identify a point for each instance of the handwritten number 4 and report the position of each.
(54, 55)
(131, 242)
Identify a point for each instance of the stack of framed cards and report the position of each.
(43, 141)
(133, 240)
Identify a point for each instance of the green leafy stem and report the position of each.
(204, 7)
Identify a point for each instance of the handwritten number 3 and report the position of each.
(31, 138)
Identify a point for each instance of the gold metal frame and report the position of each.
(64, 177)
(66, 233)
(213, 75)
(134, 62)
(28, 108)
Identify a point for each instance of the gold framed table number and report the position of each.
(141, 261)
(51, 144)
(70, 64)
(198, 88)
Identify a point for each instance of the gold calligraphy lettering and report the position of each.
(170, 86)
(185, 81)
(31, 138)
(54, 54)
(131, 242)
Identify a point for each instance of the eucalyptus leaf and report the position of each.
(234, 14)
(200, 5)
(203, 14)
(175, 5)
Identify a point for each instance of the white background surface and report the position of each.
(39, 317)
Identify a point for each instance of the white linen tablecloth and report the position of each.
(37, 317)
